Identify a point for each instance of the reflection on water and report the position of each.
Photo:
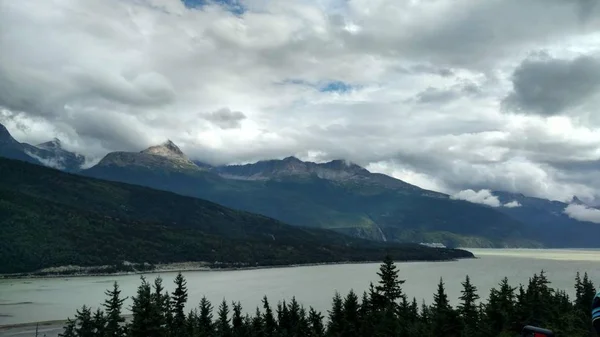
(58, 298)
(592, 255)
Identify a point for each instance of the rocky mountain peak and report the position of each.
(291, 159)
(172, 152)
(55, 143)
(575, 200)
(166, 149)
(343, 165)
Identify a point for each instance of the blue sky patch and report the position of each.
(326, 86)
(234, 6)
(335, 86)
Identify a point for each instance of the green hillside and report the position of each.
(50, 218)
(366, 211)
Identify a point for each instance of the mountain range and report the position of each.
(51, 218)
(347, 198)
(49, 154)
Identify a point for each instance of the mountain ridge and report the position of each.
(50, 154)
(51, 218)
(335, 195)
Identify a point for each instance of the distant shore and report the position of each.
(195, 266)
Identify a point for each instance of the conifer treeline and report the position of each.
(383, 310)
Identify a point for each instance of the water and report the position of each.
(30, 300)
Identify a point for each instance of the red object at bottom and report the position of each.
(536, 334)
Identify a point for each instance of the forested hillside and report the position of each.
(50, 218)
(350, 200)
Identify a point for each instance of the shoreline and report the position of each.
(33, 324)
(197, 266)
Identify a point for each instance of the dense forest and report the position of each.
(383, 310)
(50, 218)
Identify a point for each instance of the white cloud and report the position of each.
(484, 197)
(512, 204)
(423, 103)
(583, 213)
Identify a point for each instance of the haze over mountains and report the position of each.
(336, 195)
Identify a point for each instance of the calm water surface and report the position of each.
(29, 300)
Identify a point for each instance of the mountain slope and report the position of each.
(49, 154)
(547, 220)
(50, 218)
(53, 154)
(334, 195)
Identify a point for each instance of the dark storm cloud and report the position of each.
(475, 34)
(550, 86)
(224, 118)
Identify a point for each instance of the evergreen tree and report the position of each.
(521, 307)
(178, 301)
(336, 316)
(270, 325)
(383, 311)
(588, 293)
(223, 326)
(444, 318)
(237, 322)
(350, 309)
(413, 311)
(99, 323)
(315, 320)
(389, 289)
(366, 313)
(160, 306)
(467, 308)
(257, 324)
(297, 318)
(142, 324)
(68, 329)
(85, 324)
(191, 324)
(538, 296)
(302, 328)
(584, 294)
(282, 318)
(112, 306)
(205, 324)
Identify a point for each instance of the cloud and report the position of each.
(549, 86)
(483, 197)
(583, 213)
(224, 118)
(409, 88)
(512, 204)
(440, 96)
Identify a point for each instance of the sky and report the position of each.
(457, 96)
